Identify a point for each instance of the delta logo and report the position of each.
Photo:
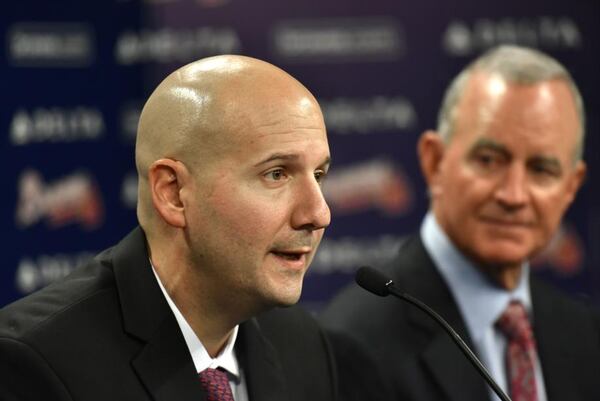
(73, 199)
(375, 184)
(463, 38)
(37, 272)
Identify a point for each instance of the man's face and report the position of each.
(508, 173)
(258, 213)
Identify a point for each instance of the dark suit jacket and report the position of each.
(421, 361)
(106, 333)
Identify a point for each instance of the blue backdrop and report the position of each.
(74, 75)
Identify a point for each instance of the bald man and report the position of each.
(230, 155)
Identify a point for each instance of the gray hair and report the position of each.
(514, 64)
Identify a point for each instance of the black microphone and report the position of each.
(376, 282)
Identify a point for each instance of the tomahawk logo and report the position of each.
(373, 184)
(71, 199)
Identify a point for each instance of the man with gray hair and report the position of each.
(502, 169)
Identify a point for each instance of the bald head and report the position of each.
(200, 110)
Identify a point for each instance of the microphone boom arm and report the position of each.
(454, 335)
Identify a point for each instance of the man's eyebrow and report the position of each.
(287, 157)
(548, 161)
(277, 157)
(486, 143)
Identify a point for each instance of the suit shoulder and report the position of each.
(59, 301)
(294, 317)
(551, 299)
(351, 304)
(293, 331)
(303, 351)
(357, 310)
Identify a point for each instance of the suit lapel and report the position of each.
(450, 369)
(166, 368)
(552, 334)
(262, 368)
(163, 364)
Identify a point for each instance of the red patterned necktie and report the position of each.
(216, 384)
(520, 352)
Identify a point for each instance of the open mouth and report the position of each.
(288, 255)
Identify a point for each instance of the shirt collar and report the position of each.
(480, 302)
(226, 359)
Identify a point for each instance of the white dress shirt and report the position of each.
(226, 359)
(480, 302)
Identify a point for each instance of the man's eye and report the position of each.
(544, 172)
(275, 175)
(320, 176)
(541, 170)
(487, 160)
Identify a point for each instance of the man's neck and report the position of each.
(211, 324)
(206, 315)
(505, 276)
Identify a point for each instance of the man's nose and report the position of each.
(311, 210)
(512, 190)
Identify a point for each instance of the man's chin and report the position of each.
(282, 299)
(499, 255)
(500, 251)
(502, 260)
(288, 300)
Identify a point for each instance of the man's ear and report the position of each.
(576, 181)
(166, 177)
(431, 152)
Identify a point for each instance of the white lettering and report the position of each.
(325, 40)
(50, 44)
(129, 190)
(365, 116)
(56, 124)
(344, 255)
(462, 38)
(130, 116)
(167, 45)
(35, 273)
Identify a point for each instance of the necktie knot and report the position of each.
(216, 385)
(514, 323)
